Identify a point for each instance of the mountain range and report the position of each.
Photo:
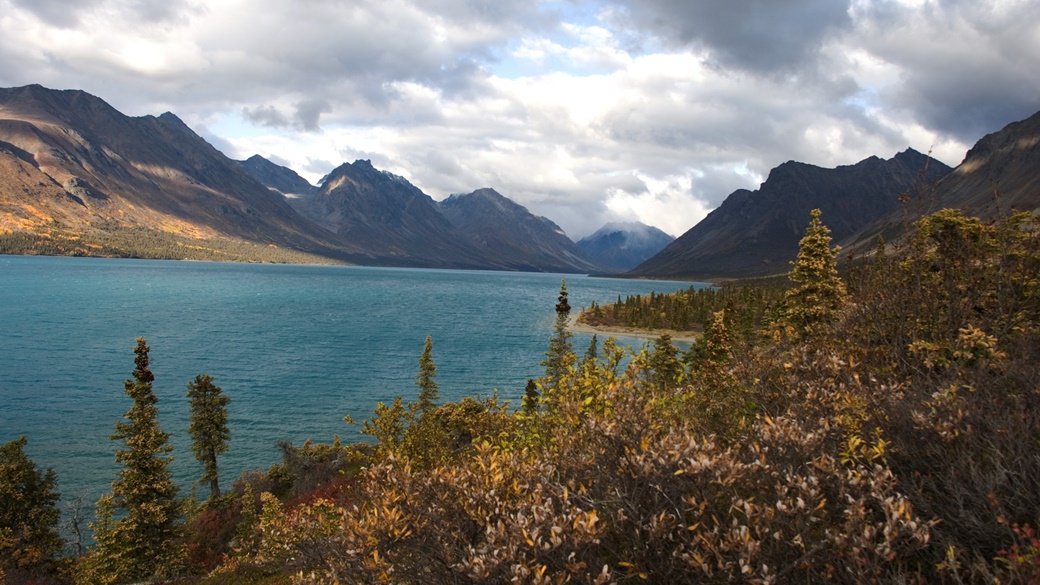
(756, 233)
(79, 177)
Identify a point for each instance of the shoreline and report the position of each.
(618, 331)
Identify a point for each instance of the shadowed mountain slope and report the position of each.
(756, 233)
(510, 234)
(281, 179)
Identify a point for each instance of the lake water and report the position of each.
(294, 347)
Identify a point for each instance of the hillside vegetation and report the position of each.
(881, 427)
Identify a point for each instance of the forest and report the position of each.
(876, 425)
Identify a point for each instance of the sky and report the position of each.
(584, 111)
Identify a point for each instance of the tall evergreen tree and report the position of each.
(29, 539)
(592, 353)
(530, 399)
(208, 429)
(428, 389)
(139, 544)
(666, 369)
(560, 354)
(818, 293)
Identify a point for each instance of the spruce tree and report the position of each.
(29, 539)
(139, 543)
(666, 370)
(428, 389)
(818, 293)
(530, 400)
(560, 355)
(208, 429)
(592, 353)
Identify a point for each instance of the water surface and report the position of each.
(295, 347)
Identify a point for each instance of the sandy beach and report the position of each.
(575, 327)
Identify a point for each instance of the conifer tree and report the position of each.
(530, 400)
(560, 355)
(818, 293)
(139, 544)
(718, 350)
(29, 539)
(665, 367)
(428, 389)
(879, 253)
(592, 353)
(208, 429)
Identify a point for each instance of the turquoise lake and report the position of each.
(295, 348)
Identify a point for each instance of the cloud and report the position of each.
(757, 35)
(58, 13)
(581, 110)
(266, 116)
(960, 67)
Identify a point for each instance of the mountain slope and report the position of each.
(1001, 172)
(623, 246)
(510, 235)
(91, 168)
(391, 219)
(756, 233)
(281, 179)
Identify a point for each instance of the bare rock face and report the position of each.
(1000, 173)
(388, 217)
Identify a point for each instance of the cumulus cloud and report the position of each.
(758, 35)
(960, 67)
(584, 111)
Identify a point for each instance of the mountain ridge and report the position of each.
(79, 177)
(489, 220)
(76, 172)
(756, 233)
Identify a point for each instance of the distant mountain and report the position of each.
(72, 166)
(619, 247)
(755, 233)
(509, 234)
(395, 222)
(78, 177)
(274, 176)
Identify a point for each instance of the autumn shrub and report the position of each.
(304, 468)
(949, 325)
(890, 437)
(208, 535)
(621, 491)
